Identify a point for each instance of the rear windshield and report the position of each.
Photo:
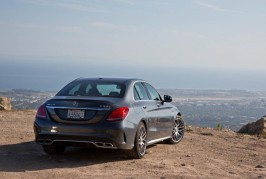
(93, 89)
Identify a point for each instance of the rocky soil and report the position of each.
(203, 153)
(5, 103)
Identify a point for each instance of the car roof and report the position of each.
(116, 79)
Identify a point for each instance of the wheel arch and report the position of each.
(145, 123)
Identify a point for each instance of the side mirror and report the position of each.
(167, 98)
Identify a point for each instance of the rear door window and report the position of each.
(136, 95)
(140, 92)
(154, 95)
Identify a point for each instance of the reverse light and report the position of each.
(41, 113)
(118, 114)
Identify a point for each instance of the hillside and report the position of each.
(206, 108)
(203, 153)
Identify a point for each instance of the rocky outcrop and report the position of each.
(5, 103)
(255, 128)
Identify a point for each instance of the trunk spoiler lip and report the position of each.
(81, 108)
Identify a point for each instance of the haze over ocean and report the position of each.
(53, 74)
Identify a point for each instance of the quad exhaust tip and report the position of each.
(103, 145)
(45, 141)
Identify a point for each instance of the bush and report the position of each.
(218, 127)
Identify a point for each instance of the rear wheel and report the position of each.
(177, 132)
(140, 143)
(54, 149)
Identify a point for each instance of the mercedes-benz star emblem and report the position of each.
(75, 103)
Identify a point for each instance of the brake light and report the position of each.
(41, 113)
(118, 114)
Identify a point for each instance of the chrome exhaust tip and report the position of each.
(45, 141)
(48, 142)
(108, 145)
(99, 144)
(40, 141)
(103, 145)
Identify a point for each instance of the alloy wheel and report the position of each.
(142, 140)
(178, 130)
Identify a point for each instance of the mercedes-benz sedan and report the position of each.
(115, 113)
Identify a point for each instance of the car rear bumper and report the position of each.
(115, 136)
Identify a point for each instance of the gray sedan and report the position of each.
(115, 113)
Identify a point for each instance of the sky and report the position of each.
(210, 44)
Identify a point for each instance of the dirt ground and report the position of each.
(203, 153)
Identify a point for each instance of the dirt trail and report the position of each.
(203, 153)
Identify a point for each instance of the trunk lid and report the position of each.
(78, 110)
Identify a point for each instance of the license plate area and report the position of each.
(75, 114)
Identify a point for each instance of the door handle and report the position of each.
(144, 107)
(158, 105)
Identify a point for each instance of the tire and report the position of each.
(54, 149)
(177, 132)
(140, 143)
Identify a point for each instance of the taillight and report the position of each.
(118, 114)
(41, 113)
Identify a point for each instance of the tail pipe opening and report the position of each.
(103, 145)
(45, 141)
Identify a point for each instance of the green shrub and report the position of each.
(218, 127)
